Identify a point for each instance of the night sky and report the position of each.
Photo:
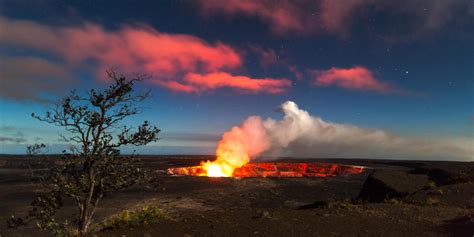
(406, 67)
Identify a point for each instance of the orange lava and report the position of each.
(270, 169)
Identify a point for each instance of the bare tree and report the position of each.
(93, 166)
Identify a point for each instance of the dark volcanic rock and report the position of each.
(448, 174)
(383, 184)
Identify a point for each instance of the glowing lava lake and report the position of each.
(274, 169)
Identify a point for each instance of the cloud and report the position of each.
(296, 72)
(194, 137)
(286, 17)
(28, 78)
(335, 16)
(299, 134)
(202, 140)
(355, 78)
(129, 48)
(203, 82)
(268, 57)
(142, 49)
(338, 16)
(283, 16)
(11, 135)
(8, 128)
(17, 140)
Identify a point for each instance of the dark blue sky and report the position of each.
(406, 67)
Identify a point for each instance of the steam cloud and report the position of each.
(299, 134)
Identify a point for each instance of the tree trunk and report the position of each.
(84, 220)
(84, 229)
(85, 217)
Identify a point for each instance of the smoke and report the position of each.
(299, 134)
(238, 146)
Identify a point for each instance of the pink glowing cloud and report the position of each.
(338, 16)
(268, 57)
(142, 49)
(355, 78)
(130, 48)
(212, 81)
(296, 72)
(283, 16)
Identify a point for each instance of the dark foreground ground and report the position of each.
(392, 198)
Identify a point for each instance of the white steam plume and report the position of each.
(299, 134)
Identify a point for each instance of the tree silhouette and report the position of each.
(93, 165)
